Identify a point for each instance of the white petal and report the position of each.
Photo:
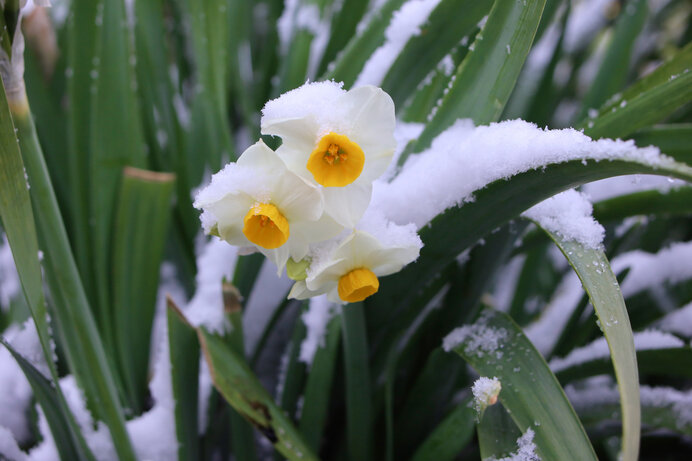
(230, 212)
(328, 274)
(297, 200)
(299, 136)
(347, 204)
(278, 256)
(323, 229)
(357, 249)
(372, 113)
(391, 260)
(333, 296)
(260, 156)
(300, 291)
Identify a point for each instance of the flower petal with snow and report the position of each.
(349, 271)
(340, 140)
(257, 201)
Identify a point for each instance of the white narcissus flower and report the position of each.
(256, 201)
(340, 140)
(349, 272)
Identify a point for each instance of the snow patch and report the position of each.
(478, 339)
(464, 159)
(405, 23)
(569, 214)
(316, 318)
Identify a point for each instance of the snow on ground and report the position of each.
(15, 393)
(315, 319)
(215, 262)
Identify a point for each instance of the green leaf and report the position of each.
(184, 352)
(343, 27)
(530, 392)
(600, 283)
(242, 441)
(209, 135)
(319, 387)
(676, 201)
(486, 77)
(116, 141)
(239, 386)
(647, 101)
(63, 427)
(497, 433)
(674, 140)
(81, 51)
(456, 229)
(74, 321)
(143, 210)
(352, 59)
(17, 218)
(615, 66)
(450, 436)
(359, 418)
(443, 30)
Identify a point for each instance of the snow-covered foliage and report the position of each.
(324, 154)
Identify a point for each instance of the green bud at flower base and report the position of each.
(297, 270)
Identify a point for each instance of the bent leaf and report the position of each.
(530, 392)
(239, 386)
(600, 283)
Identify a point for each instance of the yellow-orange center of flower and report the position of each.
(265, 226)
(358, 285)
(336, 161)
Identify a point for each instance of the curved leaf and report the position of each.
(442, 31)
(486, 77)
(239, 386)
(495, 346)
(450, 436)
(646, 102)
(600, 283)
(456, 229)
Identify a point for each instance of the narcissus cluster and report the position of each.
(305, 206)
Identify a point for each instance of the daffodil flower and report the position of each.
(257, 202)
(350, 271)
(339, 140)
